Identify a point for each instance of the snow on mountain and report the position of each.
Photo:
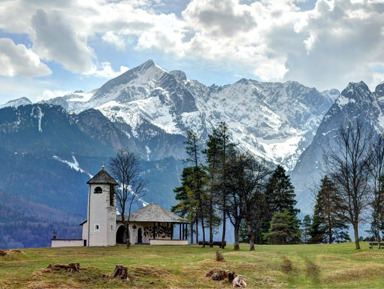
(274, 121)
(16, 102)
(355, 102)
(74, 164)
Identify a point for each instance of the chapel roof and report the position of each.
(154, 213)
(102, 177)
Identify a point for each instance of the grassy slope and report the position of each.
(299, 266)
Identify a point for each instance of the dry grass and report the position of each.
(298, 266)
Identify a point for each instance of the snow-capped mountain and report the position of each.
(16, 102)
(274, 121)
(355, 102)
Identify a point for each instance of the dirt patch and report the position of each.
(312, 271)
(287, 266)
(368, 256)
(150, 271)
(4, 253)
(330, 258)
(366, 271)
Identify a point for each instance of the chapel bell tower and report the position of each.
(101, 212)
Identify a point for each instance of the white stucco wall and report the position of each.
(84, 232)
(101, 214)
(67, 243)
(168, 242)
(147, 234)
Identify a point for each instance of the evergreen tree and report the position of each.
(224, 150)
(317, 231)
(188, 205)
(198, 177)
(328, 225)
(284, 229)
(306, 227)
(213, 158)
(279, 197)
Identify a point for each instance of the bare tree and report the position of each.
(246, 195)
(125, 168)
(348, 165)
(377, 171)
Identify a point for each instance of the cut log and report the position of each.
(120, 272)
(71, 267)
(219, 256)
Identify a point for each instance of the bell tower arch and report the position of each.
(101, 211)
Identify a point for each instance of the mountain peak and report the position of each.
(379, 91)
(16, 102)
(148, 64)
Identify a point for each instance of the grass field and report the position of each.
(291, 266)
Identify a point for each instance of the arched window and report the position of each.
(98, 190)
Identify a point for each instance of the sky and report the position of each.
(52, 47)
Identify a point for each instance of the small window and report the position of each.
(111, 227)
(97, 228)
(98, 190)
(112, 196)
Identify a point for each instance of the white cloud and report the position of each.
(55, 39)
(49, 94)
(328, 46)
(115, 40)
(106, 71)
(18, 60)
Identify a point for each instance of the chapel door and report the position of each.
(139, 236)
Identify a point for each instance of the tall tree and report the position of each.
(212, 158)
(125, 168)
(377, 171)
(329, 225)
(198, 176)
(245, 198)
(226, 150)
(255, 204)
(280, 194)
(348, 165)
(279, 197)
(188, 205)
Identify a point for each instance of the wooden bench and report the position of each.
(374, 244)
(215, 243)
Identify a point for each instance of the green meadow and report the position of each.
(270, 266)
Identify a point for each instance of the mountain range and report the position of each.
(48, 150)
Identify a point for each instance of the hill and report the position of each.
(292, 266)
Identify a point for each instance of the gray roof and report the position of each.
(155, 213)
(102, 177)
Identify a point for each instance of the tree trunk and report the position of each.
(378, 229)
(251, 237)
(224, 227)
(197, 231)
(211, 221)
(356, 232)
(191, 233)
(203, 229)
(236, 245)
(127, 234)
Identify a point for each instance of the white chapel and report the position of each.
(151, 225)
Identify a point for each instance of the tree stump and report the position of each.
(120, 272)
(219, 256)
(71, 267)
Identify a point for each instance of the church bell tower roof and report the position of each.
(102, 177)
